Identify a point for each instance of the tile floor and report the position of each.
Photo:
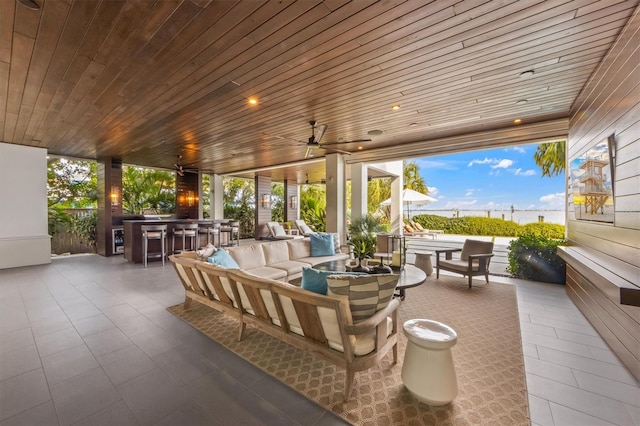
(87, 340)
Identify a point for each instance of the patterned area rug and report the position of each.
(488, 360)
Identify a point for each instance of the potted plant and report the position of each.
(363, 230)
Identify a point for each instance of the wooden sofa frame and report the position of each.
(244, 296)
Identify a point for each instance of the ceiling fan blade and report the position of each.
(335, 150)
(309, 152)
(321, 129)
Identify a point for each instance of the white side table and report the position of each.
(428, 371)
(423, 261)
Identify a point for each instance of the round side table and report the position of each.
(423, 261)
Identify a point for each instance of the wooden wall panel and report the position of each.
(610, 104)
(263, 214)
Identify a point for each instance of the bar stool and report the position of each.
(185, 230)
(213, 233)
(231, 229)
(153, 232)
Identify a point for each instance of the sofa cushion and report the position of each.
(293, 268)
(475, 247)
(275, 252)
(268, 272)
(321, 245)
(248, 257)
(367, 293)
(206, 252)
(321, 259)
(336, 240)
(299, 249)
(222, 258)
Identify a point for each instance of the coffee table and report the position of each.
(410, 276)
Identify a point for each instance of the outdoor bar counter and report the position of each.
(133, 236)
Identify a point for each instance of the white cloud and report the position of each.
(485, 161)
(518, 149)
(556, 200)
(469, 193)
(520, 172)
(505, 163)
(432, 191)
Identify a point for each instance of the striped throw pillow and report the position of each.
(367, 293)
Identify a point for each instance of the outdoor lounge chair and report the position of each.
(419, 228)
(303, 228)
(409, 231)
(474, 259)
(277, 232)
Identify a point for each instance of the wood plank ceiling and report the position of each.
(144, 81)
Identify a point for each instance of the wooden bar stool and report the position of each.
(185, 230)
(154, 232)
(213, 233)
(231, 229)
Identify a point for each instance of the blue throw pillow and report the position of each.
(316, 281)
(222, 258)
(321, 245)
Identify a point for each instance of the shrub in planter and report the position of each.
(534, 257)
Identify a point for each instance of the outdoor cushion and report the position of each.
(222, 258)
(316, 280)
(275, 252)
(299, 249)
(475, 247)
(306, 230)
(206, 252)
(321, 245)
(278, 231)
(248, 257)
(367, 293)
(336, 240)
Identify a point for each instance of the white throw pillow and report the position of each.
(206, 252)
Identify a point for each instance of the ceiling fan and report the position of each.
(314, 141)
(180, 169)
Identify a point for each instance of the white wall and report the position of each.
(23, 206)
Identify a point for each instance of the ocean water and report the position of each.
(521, 217)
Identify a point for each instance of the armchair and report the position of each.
(474, 259)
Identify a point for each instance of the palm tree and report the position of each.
(550, 157)
(413, 179)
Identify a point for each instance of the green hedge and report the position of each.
(472, 225)
(534, 257)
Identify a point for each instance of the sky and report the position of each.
(493, 179)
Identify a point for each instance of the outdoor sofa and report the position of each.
(319, 324)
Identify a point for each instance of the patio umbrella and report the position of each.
(411, 197)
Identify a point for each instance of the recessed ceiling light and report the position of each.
(252, 101)
(527, 73)
(395, 107)
(374, 132)
(517, 121)
(360, 148)
(521, 102)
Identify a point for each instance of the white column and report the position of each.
(336, 196)
(359, 189)
(397, 184)
(216, 196)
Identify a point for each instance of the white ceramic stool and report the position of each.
(428, 371)
(423, 261)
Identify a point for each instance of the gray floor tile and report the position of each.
(107, 341)
(540, 411)
(22, 393)
(92, 325)
(155, 342)
(16, 340)
(83, 396)
(578, 400)
(566, 416)
(152, 396)
(68, 363)
(191, 414)
(43, 414)
(610, 388)
(117, 414)
(19, 361)
(51, 343)
(126, 364)
(182, 364)
(50, 327)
